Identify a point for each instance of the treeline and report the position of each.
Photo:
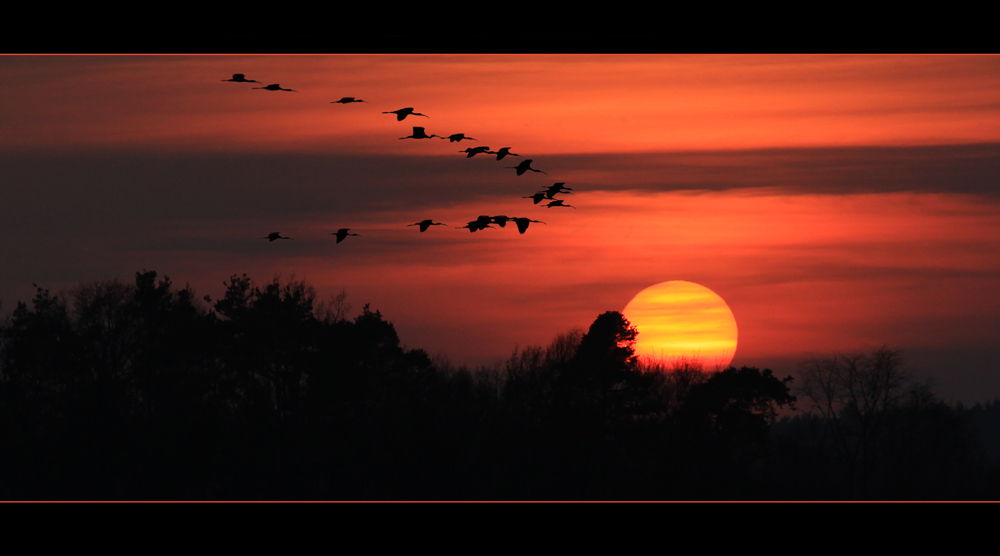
(144, 391)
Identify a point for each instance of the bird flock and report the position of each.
(481, 222)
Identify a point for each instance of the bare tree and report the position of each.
(531, 372)
(336, 309)
(563, 347)
(851, 394)
(673, 379)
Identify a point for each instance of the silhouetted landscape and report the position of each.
(144, 391)
(776, 280)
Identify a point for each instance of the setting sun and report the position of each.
(683, 320)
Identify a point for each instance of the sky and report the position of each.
(833, 201)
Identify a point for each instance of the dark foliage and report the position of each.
(144, 391)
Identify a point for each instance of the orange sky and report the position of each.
(832, 201)
(542, 103)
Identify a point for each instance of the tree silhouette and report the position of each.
(140, 391)
(737, 406)
(852, 393)
(39, 360)
(268, 344)
(606, 354)
(603, 361)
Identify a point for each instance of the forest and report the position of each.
(143, 391)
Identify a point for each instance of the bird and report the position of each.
(478, 224)
(240, 78)
(474, 151)
(275, 235)
(473, 226)
(558, 203)
(537, 197)
(522, 223)
(458, 137)
(402, 113)
(418, 133)
(275, 87)
(342, 233)
(557, 188)
(503, 152)
(424, 224)
(501, 220)
(348, 100)
(524, 166)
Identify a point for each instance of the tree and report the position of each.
(737, 405)
(603, 373)
(40, 355)
(851, 394)
(530, 375)
(607, 351)
(269, 338)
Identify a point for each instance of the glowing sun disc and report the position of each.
(682, 320)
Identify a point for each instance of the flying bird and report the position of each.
(474, 151)
(418, 133)
(473, 226)
(503, 152)
(478, 224)
(537, 197)
(524, 166)
(275, 235)
(556, 189)
(402, 113)
(275, 87)
(348, 100)
(502, 220)
(558, 203)
(522, 223)
(424, 224)
(458, 137)
(240, 78)
(342, 233)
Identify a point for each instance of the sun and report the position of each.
(680, 320)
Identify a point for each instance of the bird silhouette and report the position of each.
(524, 166)
(275, 87)
(556, 189)
(558, 203)
(503, 152)
(275, 235)
(424, 224)
(348, 100)
(342, 233)
(402, 113)
(458, 137)
(537, 197)
(418, 133)
(473, 226)
(522, 223)
(240, 78)
(478, 224)
(501, 220)
(473, 151)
